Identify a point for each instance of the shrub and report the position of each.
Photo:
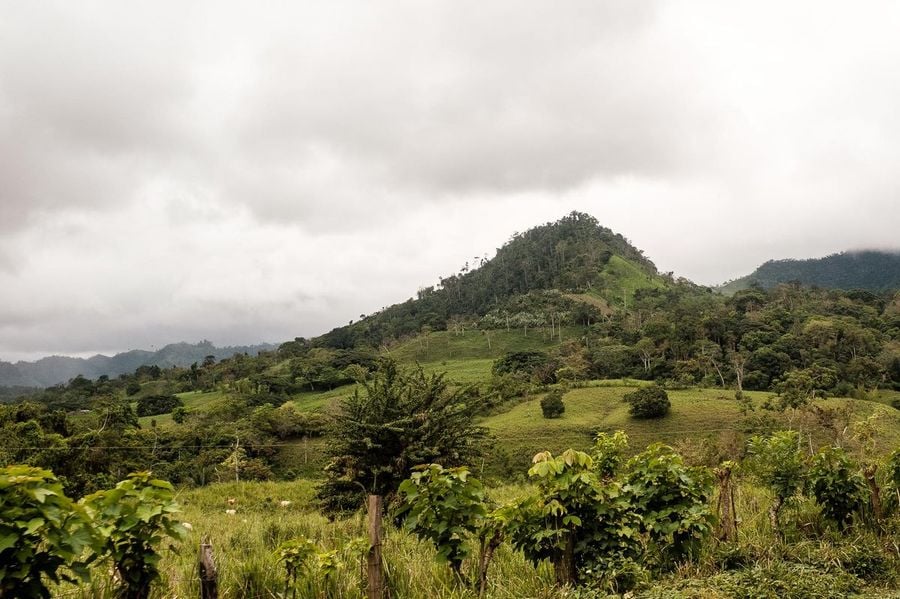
(837, 486)
(648, 402)
(41, 531)
(444, 506)
(777, 463)
(552, 405)
(576, 520)
(672, 499)
(154, 405)
(134, 518)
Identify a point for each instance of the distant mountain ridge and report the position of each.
(873, 270)
(53, 370)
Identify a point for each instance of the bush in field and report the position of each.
(777, 463)
(576, 520)
(446, 507)
(672, 500)
(42, 532)
(154, 405)
(648, 402)
(134, 518)
(552, 405)
(836, 484)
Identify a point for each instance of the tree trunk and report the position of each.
(728, 529)
(374, 572)
(774, 512)
(564, 561)
(869, 474)
(484, 560)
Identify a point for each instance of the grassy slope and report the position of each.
(193, 400)
(695, 414)
(622, 278)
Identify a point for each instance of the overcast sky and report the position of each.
(254, 172)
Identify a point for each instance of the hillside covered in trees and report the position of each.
(575, 255)
(871, 270)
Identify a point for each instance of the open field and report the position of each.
(193, 401)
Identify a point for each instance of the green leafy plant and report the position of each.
(672, 500)
(444, 506)
(576, 520)
(42, 532)
(607, 453)
(304, 561)
(297, 555)
(777, 463)
(836, 484)
(648, 402)
(133, 519)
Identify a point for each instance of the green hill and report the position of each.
(573, 255)
(871, 270)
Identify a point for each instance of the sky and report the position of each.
(246, 172)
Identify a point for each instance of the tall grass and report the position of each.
(812, 560)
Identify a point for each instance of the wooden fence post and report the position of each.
(374, 573)
(209, 576)
(728, 528)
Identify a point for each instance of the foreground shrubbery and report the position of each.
(596, 519)
(46, 538)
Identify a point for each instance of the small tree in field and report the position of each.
(777, 463)
(648, 402)
(444, 506)
(672, 499)
(576, 520)
(552, 405)
(394, 421)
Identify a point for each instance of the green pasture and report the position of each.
(195, 401)
(441, 346)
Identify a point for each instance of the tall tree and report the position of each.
(395, 421)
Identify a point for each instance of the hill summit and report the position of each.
(574, 256)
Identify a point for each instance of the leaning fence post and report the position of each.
(374, 572)
(209, 576)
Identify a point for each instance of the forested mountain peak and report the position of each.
(574, 255)
(874, 270)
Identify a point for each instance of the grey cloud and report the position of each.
(179, 171)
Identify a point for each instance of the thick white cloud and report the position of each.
(240, 173)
